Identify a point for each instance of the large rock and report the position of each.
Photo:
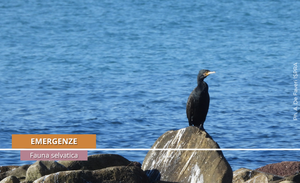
(75, 165)
(41, 168)
(99, 161)
(10, 179)
(193, 166)
(7, 168)
(244, 175)
(285, 168)
(290, 179)
(19, 172)
(128, 174)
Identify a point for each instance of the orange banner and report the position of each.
(55, 141)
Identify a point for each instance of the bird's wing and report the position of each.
(190, 109)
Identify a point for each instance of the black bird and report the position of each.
(198, 101)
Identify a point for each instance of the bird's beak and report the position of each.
(211, 72)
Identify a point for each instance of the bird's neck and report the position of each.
(201, 84)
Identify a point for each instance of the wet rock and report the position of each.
(187, 166)
(10, 179)
(290, 179)
(128, 174)
(135, 163)
(3, 175)
(294, 178)
(7, 168)
(99, 161)
(244, 175)
(75, 165)
(285, 168)
(4, 170)
(19, 172)
(41, 168)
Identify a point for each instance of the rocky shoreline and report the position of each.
(163, 166)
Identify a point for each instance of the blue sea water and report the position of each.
(123, 70)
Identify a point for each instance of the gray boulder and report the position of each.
(10, 179)
(293, 178)
(75, 165)
(19, 172)
(244, 175)
(128, 174)
(7, 168)
(99, 161)
(289, 179)
(187, 165)
(41, 168)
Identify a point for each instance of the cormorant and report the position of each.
(198, 101)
